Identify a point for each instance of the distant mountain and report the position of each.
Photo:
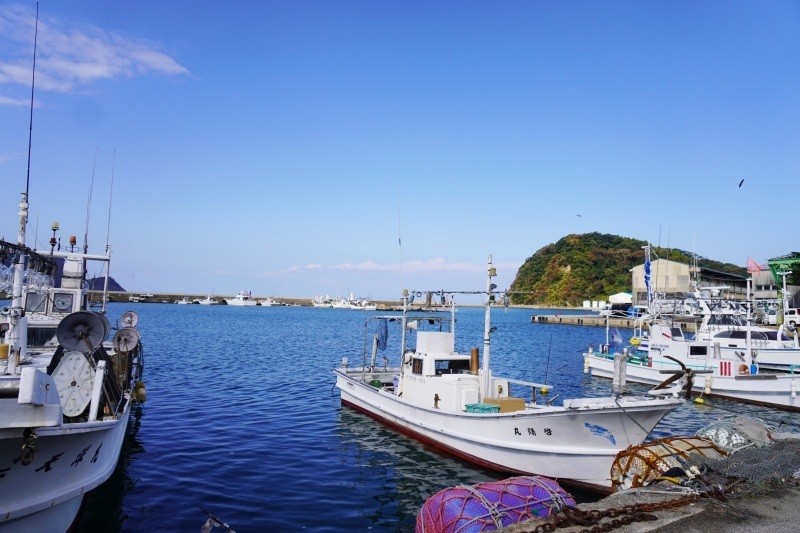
(591, 266)
(96, 284)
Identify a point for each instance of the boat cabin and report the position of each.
(436, 376)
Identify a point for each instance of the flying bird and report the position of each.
(740, 183)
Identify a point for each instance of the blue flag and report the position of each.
(382, 332)
(616, 338)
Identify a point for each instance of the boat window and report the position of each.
(448, 366)
(416, 366)
(698, 350)
(677, 334)
(34, 302)
(38, 337)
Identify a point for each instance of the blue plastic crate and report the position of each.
(482, 408)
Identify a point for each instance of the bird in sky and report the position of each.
(740, 183)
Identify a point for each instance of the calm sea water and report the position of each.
(242, 419)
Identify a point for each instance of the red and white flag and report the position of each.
(752, 266)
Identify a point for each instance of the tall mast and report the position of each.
(18, 325)
(486, 385)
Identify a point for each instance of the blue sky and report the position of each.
(283, 147)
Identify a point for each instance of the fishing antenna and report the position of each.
(399, 241)
(33, 84)
(108, 234)
(89, 206)
(110, 197)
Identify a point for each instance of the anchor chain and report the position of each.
(640, 512)
(28, 451)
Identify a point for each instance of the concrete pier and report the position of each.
(600, 321)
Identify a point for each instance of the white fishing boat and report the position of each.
(183, 301)
(727, 329)
(666, 349)
(353, 303)
(446, 399)
(322, 301)
(208, 300)
(242, 299)
(269, 301)
(66, 393)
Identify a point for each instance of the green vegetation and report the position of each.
(591, 266)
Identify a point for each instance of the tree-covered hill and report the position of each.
(591, 266)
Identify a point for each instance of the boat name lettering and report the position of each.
(532, 432)
(79, 458)
(96, 453)
(48, 464)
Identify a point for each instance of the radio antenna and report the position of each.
(89, 206)
(33, 84)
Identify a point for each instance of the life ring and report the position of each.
(744, 370)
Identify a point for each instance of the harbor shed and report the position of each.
(621, 298)
(673, 279)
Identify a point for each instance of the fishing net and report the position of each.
(637, 466)
(492, 505)
(733, 434)
(777, 462)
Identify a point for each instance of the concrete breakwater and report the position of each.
(687, 324)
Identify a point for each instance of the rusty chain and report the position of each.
(640, 512)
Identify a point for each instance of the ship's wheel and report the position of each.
(74, 378)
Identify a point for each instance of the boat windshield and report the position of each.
(450, 366)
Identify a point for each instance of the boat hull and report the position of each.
(773, 390)
(576, 446)
(70, 460)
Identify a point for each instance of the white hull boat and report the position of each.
(69, 461)
(242, 299)
(446, 399)
(738, 376)
(66, 393)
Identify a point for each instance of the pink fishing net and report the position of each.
(492, 505)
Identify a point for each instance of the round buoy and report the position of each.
(699, 400)
(140, 392)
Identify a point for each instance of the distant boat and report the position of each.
(322, 301)
(242, 299)
(208, 300)
(183, 301)
(353, 303)
(268, 302)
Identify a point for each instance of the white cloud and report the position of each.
(69, 58)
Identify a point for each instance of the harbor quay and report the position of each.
(686, 323)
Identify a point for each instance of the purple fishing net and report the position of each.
(492, 505)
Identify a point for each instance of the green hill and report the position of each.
(591, 266)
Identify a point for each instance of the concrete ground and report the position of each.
(773, 508)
